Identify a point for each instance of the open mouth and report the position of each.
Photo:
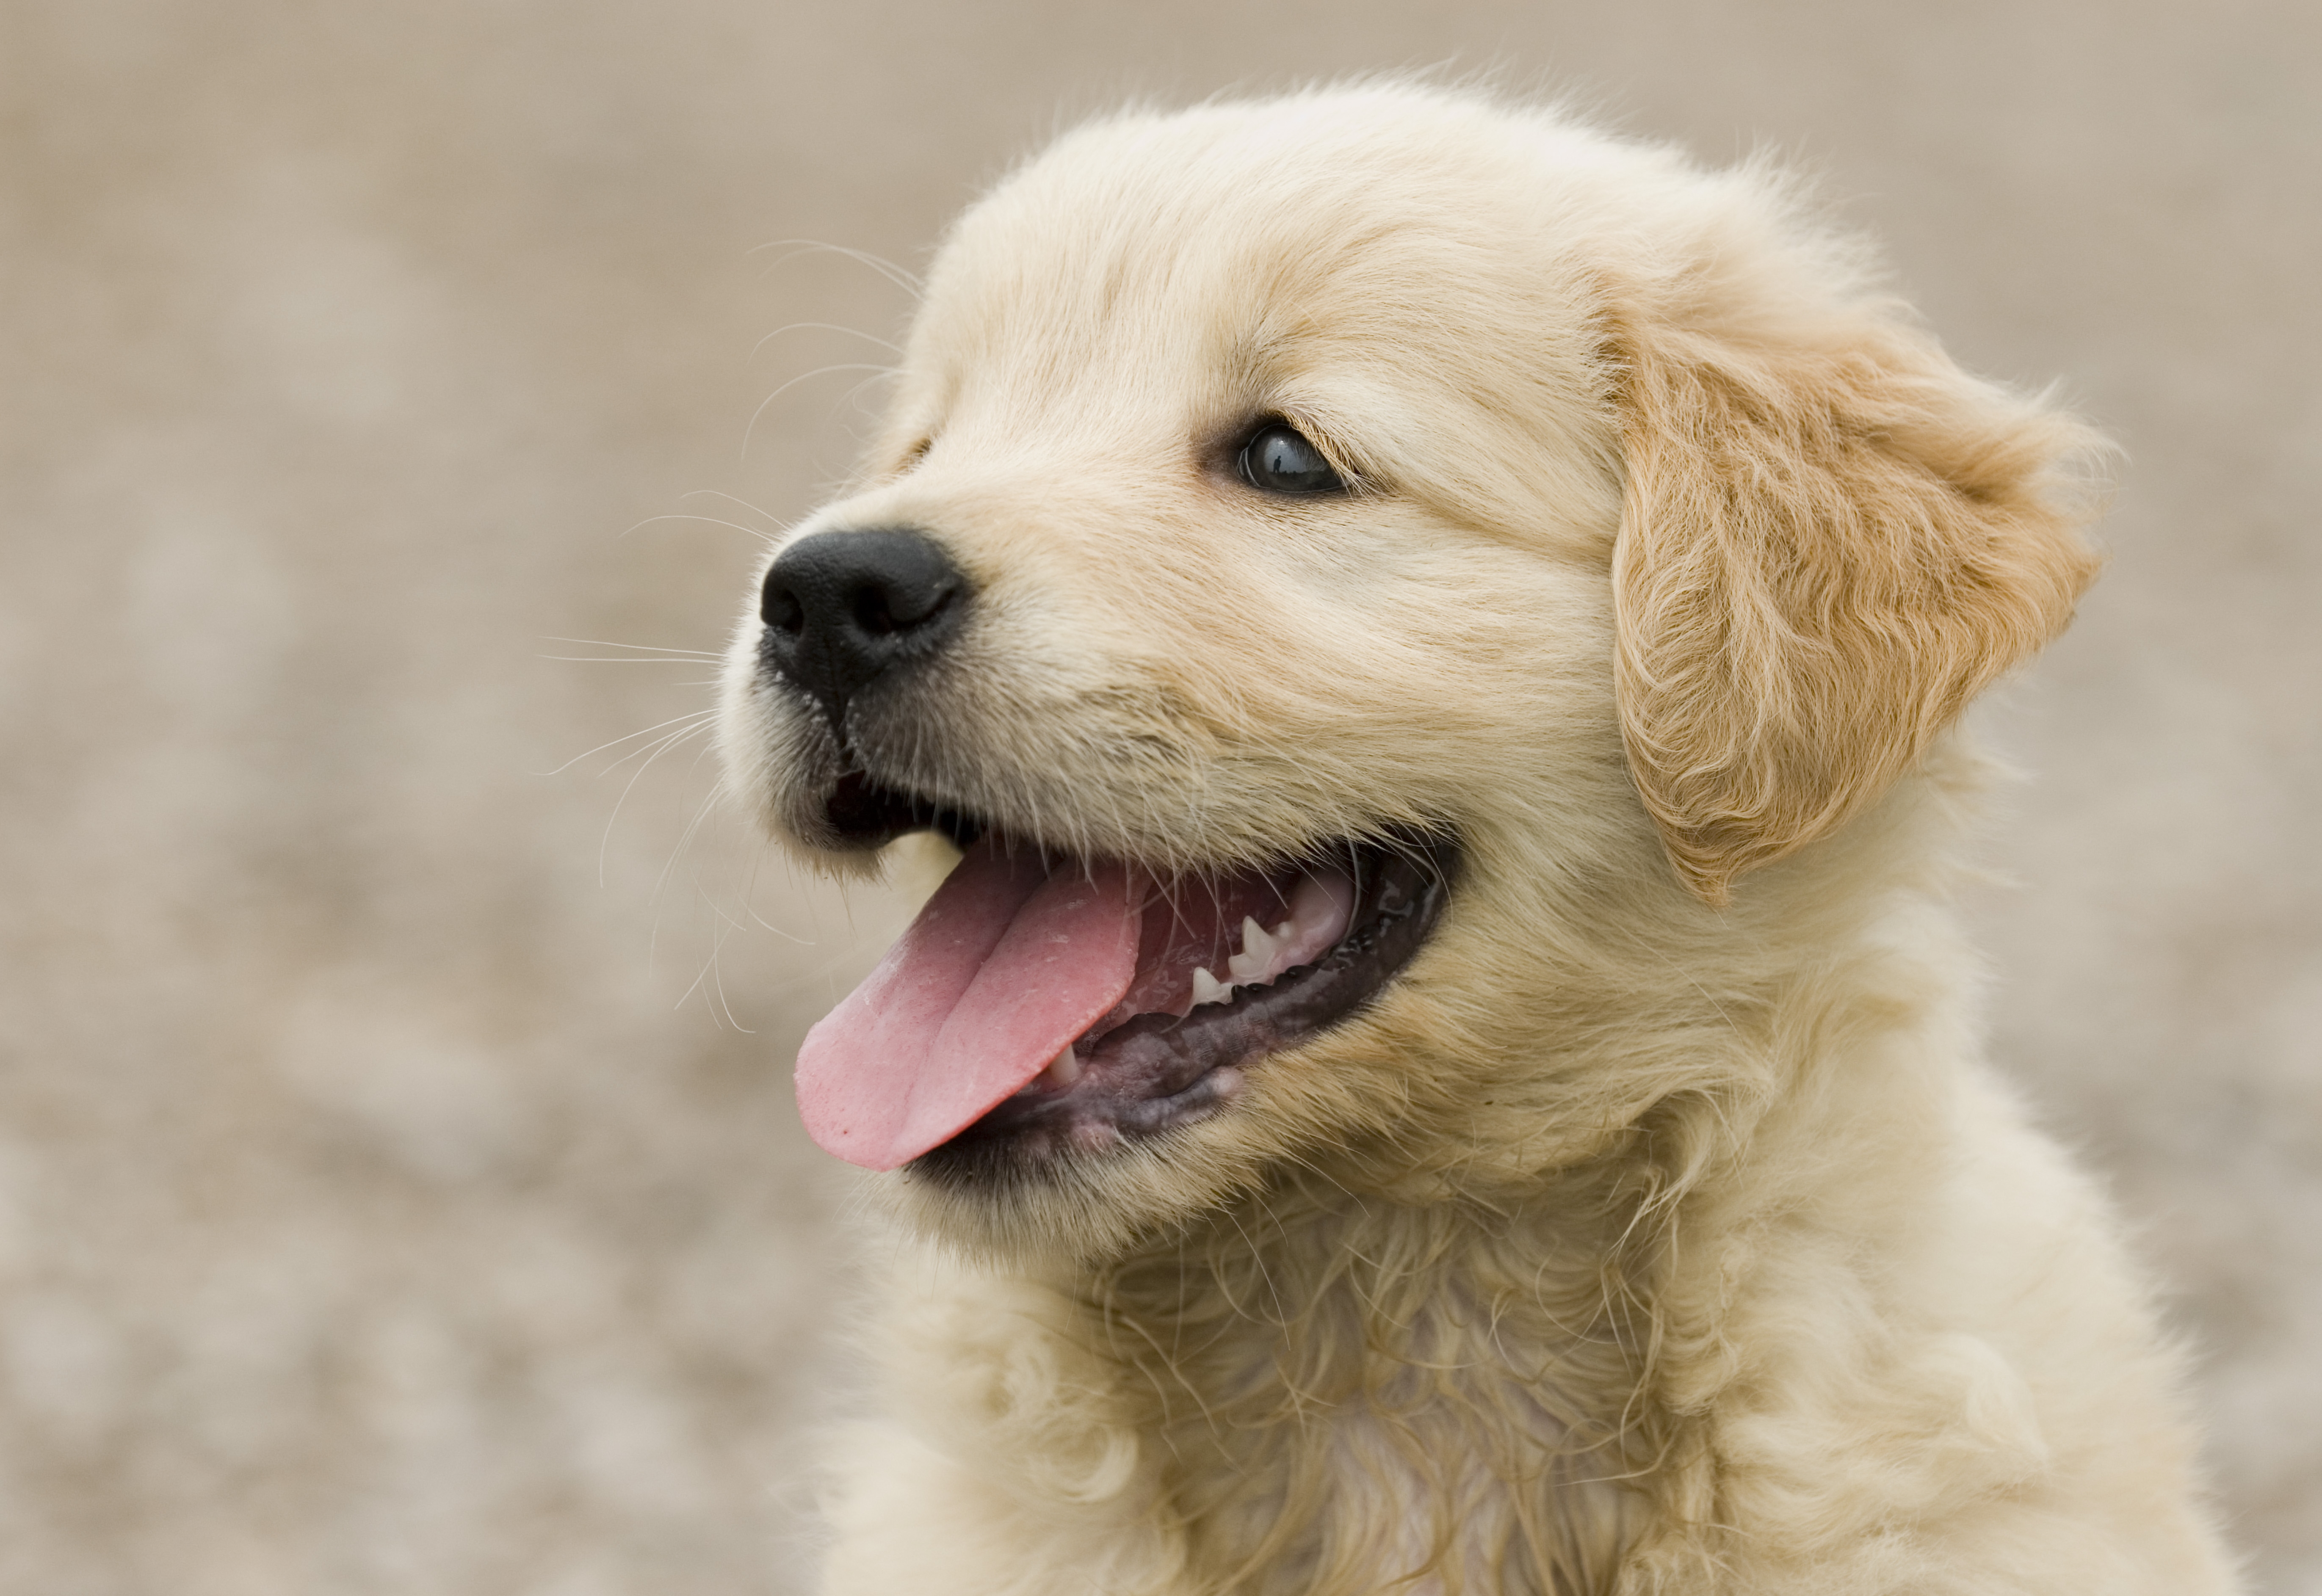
(1043, 1004)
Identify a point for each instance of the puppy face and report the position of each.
(1248, 575)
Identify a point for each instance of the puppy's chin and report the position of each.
(1290, 1120)
(1074, 1212)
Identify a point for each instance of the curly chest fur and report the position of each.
(1392, 1392)
(1381, 1398)
(1435, 1479)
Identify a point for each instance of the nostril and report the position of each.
(882, 610)
(841, 608)
(875, 611)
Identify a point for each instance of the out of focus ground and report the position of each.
(398, 1189)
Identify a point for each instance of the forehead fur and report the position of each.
(1416, 278)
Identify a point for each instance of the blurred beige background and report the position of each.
(399, 1190)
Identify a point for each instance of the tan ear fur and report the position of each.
(1826, 549)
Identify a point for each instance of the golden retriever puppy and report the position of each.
(1443, 1064)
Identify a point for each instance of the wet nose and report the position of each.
(845, 609)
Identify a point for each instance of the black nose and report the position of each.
(843, 608)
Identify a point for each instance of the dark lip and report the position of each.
(1155, 1073)
(864, 812)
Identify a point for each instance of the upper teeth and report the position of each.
(1250, 967)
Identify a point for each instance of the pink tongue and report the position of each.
(1004, 966)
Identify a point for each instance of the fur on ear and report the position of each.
(1831, 539)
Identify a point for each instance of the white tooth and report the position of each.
(1209, 988)
(1256, 954)
(1063, 1068)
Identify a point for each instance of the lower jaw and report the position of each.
(1157, 1074)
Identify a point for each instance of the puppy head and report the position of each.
(1327, 559)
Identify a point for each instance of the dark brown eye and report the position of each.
(1278, 459)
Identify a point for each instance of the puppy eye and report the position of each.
(1278, 459)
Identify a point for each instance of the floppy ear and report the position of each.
(1826, 549)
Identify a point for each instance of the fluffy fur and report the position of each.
(1659, 1228)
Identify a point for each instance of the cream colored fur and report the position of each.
(1660, 1229)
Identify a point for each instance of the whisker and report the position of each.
(708, 964)
(745, 504)
(823, 327)
(757, 919)
(604, 844)
(639, 647)
(848, 396)
(793, 382)
(887, 269)
(684, 838)
(650, 749)
(712, 520)
(696, 715)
